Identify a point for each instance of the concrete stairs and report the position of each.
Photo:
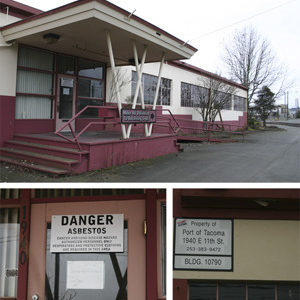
(42, 156)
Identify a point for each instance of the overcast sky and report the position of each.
(206, 26)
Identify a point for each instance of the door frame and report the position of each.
(59, 122)
(134, 213)
(26, 201)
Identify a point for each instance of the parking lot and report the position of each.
(265, 156)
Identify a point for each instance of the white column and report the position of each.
(157, 89)
(139, 71)
(115, 81)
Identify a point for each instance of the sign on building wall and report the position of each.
(203, 244)
(135, 116)
(87, 233)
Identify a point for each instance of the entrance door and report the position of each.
(80, 276)
(90, 276)
(66, 96)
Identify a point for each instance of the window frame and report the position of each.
(55, 72)
(154, 78)
(276, 285)
(190, 92)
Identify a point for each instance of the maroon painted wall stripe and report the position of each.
(180, 289)
(151, 246)
(24, 244)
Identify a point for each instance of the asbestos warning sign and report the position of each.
(87, 233)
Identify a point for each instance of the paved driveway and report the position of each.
(267, 156)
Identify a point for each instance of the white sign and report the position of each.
(85, 275)
(87, 233)
(67, 82)
(203, 244)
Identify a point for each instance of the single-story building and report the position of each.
(82, 244)
(67, 78)
(181, 90)
(236, 244)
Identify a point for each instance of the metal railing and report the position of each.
(77, 135)
(205, 127)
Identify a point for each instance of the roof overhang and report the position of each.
(82, 27)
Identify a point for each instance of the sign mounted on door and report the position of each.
(87, 233)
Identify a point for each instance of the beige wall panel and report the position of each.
(263, 250)
(8, 69)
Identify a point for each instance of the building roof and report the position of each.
(82, 25)
(197, 70)
(18, 9)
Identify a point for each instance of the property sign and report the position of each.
(135, 116)
(87, 233)
(203, 244)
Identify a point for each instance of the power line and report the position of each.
(242, 20)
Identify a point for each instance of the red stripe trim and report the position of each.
(21, 7)
(9, 202)
(151, 246)
(89, 198)
(191, 68)
(24, 244)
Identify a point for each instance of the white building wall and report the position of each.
(8, 60)
(177, 75)
(7, 19)
(8, 69)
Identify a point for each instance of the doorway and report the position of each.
(90, 276)
(66, 101)
(66, 276)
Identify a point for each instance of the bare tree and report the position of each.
(214, 96)
(250, 61)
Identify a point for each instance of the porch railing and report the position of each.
(168, 121)
(198, 127)
(76, 136)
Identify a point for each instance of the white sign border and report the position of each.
(197, 255)
(118, 251)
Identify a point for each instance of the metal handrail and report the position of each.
(208, 128)
(69, 124)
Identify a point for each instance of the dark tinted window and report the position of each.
(203, 291)
(89, 68)
(288, 292)
(261, 292)
(232, 291)
(65, 64)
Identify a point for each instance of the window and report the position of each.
(149, 83)
(243, 291)
(9, 245)
(232, 291)
(224, 99)
(203, 291)
(114, 276)
(193, 95)
(65, 64)
(34, 84)
(239, 103)
(288, 292)
(261, 292)
(90, 86)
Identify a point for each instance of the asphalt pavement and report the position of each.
(264, 156)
